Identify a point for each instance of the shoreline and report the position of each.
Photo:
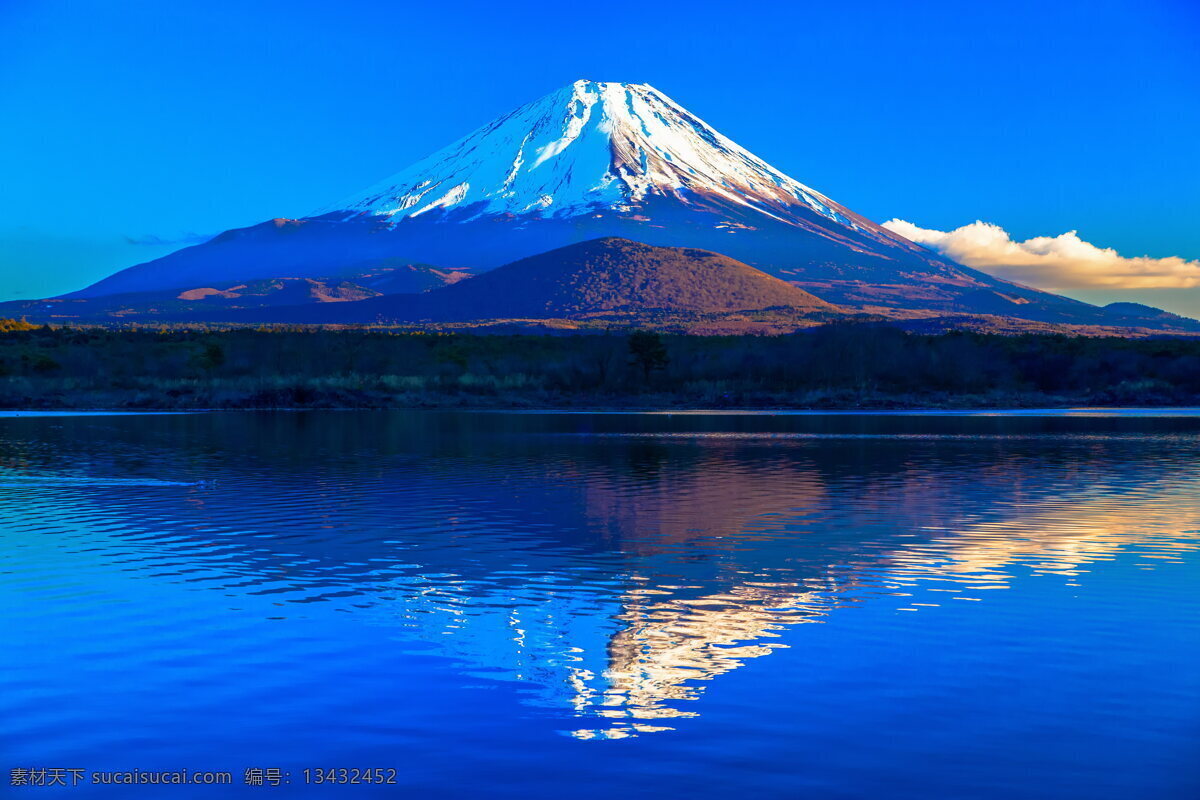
(865, 410)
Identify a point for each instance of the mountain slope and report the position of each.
(602, 278)
(214, 298)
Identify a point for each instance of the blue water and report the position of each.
(599, 605)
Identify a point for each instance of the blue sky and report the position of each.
(131, 126)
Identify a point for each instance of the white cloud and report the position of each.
(1051, 262)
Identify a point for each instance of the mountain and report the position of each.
(611, 278)
(594, 160)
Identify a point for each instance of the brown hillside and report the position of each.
(600, 277)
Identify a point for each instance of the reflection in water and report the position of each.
(614, 569)
(668, 642)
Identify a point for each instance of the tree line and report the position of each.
(836, 365)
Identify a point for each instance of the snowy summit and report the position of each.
(591, 145)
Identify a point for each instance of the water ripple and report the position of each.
(487, 587)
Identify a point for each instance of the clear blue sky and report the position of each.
(128, 123)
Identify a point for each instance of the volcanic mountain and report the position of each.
(607, 278)
(594, 160)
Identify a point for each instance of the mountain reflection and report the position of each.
(667, 645)
(615, 574)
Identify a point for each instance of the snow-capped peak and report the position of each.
(586, 147)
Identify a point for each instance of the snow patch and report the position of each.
(455, 195)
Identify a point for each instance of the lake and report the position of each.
(537, 605)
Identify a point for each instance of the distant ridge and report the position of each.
(1149, 316)
(211, 300)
